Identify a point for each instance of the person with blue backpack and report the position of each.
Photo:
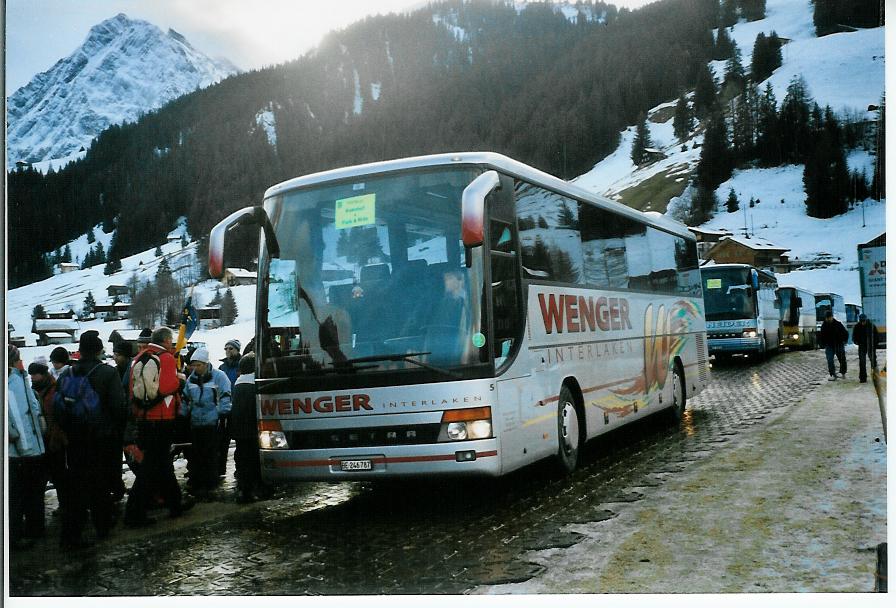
(207, 397)
(91, 409)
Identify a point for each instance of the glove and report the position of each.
(134, 453)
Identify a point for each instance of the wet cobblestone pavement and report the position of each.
(445, 536)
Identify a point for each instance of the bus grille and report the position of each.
(364, 437)
(702, 360)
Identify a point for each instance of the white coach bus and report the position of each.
(461, 314)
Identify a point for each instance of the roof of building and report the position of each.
(47, 325)
(753, 243)
(242, 272)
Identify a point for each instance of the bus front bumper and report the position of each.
(731, 346)
(465, 458)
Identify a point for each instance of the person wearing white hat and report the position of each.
(207, 396)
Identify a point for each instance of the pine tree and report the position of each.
(90, 237)
(768, 140)
(38, 312)
(734, 74)
(715, 163)
(794, 121)
(703, 204)
(752, 10)
(67, 254)
(229, 310)
(99, 257)
(89, 304)
(766, 56)
(705, 96)
(744, 127)
(641, 142)
(732, 204)
(724, 46)
(683, 121)
(158, 251)
(728, 15)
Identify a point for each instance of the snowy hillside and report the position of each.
(844, 71)
(69, 290)
(124, 68)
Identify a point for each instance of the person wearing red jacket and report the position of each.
(154, 436)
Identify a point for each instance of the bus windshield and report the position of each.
(727, 294)
(371, 280)
(790, 312)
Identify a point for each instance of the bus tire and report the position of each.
(679, 393)
(568, 433)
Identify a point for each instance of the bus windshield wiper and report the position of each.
(408, 357)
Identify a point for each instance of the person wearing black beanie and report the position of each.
(94, 445)
(59, 361)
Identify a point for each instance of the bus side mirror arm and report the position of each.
(246, 215)
(473, 212)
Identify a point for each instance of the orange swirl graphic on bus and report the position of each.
(665, 337)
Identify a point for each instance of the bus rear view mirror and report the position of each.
(473, 211)
(246, 215)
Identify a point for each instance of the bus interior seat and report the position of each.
(341, 295)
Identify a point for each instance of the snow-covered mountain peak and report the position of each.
(124, 68)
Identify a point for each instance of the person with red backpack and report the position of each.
(154, 392)
(90, 408)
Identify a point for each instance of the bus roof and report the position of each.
(491, 160)
(767, 274)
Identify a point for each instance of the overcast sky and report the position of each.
(250, 33)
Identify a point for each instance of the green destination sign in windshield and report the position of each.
(356, 211)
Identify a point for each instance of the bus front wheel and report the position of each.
(568, 435)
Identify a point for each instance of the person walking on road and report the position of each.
(155, 399)
(90, 408)
(27, 480)
(230, 365)
(864, 335)
(833, 337)
(207, 396)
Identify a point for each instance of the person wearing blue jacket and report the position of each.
(207, 397)
(230, 366)
(27, 479)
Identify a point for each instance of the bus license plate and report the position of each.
(356, 465)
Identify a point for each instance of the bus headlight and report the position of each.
(750, 333)
(795, 337)
(465, 424)
(272, 440)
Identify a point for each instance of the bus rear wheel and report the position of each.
(679, 393)
(568, 433)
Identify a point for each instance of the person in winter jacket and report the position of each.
(864, 335)
(154, 435)
(93, 452)
(44, 385)
(229, 365)
(27, 479)
(244, 428)
(833, 337)
(59, 361)
(207, 397)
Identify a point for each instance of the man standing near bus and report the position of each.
(864, 335)
(833, 337)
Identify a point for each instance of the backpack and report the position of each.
(77, 402)
(145, 381)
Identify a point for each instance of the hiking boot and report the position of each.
(832, 378)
